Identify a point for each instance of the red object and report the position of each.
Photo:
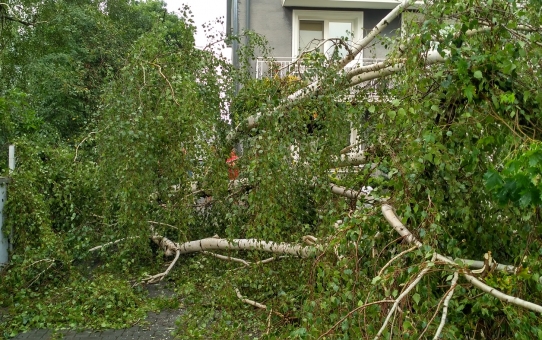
(233, 172)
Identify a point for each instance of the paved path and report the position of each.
(157, 326)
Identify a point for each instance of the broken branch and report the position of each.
(111, 243)
(403, 294)
(445, 308)
(389, 214)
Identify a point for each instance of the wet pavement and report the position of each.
(158, 326)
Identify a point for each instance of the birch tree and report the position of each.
(426, 225)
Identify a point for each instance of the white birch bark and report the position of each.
(390, 216)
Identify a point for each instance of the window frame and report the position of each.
(354, 17)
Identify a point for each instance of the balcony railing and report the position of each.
(284, 66)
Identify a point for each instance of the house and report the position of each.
(291, 26)
(294, 26)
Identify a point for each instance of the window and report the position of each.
(311, 26)
(310, 32)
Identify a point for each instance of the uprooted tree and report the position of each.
(448, 140)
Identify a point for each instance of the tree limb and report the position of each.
(13, 18)
(342, 191)
(389, 214)
(359, 45)
(227, 258)
(445, 308)
(250, 302)
(160, 277)
(402, 296)
(244, 244)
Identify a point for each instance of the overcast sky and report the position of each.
(203, 10)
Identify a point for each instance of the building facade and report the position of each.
(291, 26)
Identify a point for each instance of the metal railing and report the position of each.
(283, 66)
(287, 66)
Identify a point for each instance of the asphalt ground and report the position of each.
(158, 326)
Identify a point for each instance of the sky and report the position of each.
(204, 11)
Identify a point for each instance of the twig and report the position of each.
(336, 251)
(389, 214)
(43, 271)
(15, 19)
(167, 80)
(269, 322)
(78, 145)
(352, 312)
(177, 254)
(36, 262)
(395, 258)
(359, 45)
(165, 224)
(310, 240)
(342, 191)
(111, 243)
(271, 259)
(402, 296)
(445, 308)
(160, 277)
(501, 296)
(250, 302)
(244, 262)
(227, 258)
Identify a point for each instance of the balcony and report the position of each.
(287, 66)
(283, 66)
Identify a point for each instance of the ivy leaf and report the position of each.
(493, 180)
(530, 197)
(535, 158)
(469, 92)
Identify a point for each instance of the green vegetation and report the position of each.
(121, 131)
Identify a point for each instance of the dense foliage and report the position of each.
(122, 131)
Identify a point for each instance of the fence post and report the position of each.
(4, 244)
(11, 168)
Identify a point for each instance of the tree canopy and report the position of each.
(428, 224)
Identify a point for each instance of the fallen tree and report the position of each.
(448, 133)
(455, 104)
(215, 243)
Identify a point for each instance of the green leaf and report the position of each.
(376, 280)
(469, 92)
(478, 75)
(493, 180)
(416, 297)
